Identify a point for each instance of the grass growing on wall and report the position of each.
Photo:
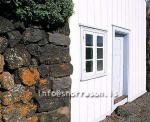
(47, 11)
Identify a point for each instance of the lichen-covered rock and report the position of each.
(7, 81)
(51, 54)
(14, 37)
(33, 34)
(59, 39)
(31, 119)
(29, 76)
(44, 84)
(2, 63)
(12, 96)
(26, 96)
(17, 57)
(53, 116)
(62, 84)
(49, 103)
(18, 111)
(1, 112)
(33, 90)
(5, 25)
(1, 117)
(64, 111)
(3, 44)
(43, 42)
(33, 49)
(56, 70)
(34, 62)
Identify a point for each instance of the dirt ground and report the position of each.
(136, 111)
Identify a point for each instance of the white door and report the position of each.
(118, 67)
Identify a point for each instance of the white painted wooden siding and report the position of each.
(102, 14)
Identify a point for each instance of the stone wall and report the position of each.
(148, 49)
(35, 73)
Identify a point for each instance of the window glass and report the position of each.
(89, 40)
(99, 53)
(89, 53)
(99, 65)
(99, 41)
(89, 66)
(93, 52)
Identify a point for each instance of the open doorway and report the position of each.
(120, 66)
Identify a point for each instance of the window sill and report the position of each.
(93, 77)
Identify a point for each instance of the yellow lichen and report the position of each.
(43, 81)
(32, 119)
(29, 76)
(26, 96)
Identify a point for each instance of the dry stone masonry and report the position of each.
(148, 49)
(34, 67)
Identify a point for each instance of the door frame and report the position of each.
(126, 34)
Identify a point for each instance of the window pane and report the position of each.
(89, 53)
(99, 65)
(99, 41)
(89, 40)
(99, 53)
(89, 66)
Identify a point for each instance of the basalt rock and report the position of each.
(33, 34)
(44, 41)
(26, 96)
(56, 70)
(44, 84)
(7, 81)
(17, 57)
(59, 39)
(34, 62)
(33, 90)
(1, 112)
(49, 103)
(24, 119)
(2, 63)
(5, 25)
(62, 84)
(51, 54)
(63, 29)
(64, 111)
(59, 115)
(34, 73)
(3, 44)
(16, 77)
(29, 76)
(31, 119)
(14, 37)
(34, 49)
(18, 111)
(19, 25)
(12, 96)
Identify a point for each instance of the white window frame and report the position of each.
(95, 32)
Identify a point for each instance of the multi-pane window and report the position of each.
(99, 53)
(93, 53)
(89, 53)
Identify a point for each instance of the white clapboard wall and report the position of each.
(102, 14)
